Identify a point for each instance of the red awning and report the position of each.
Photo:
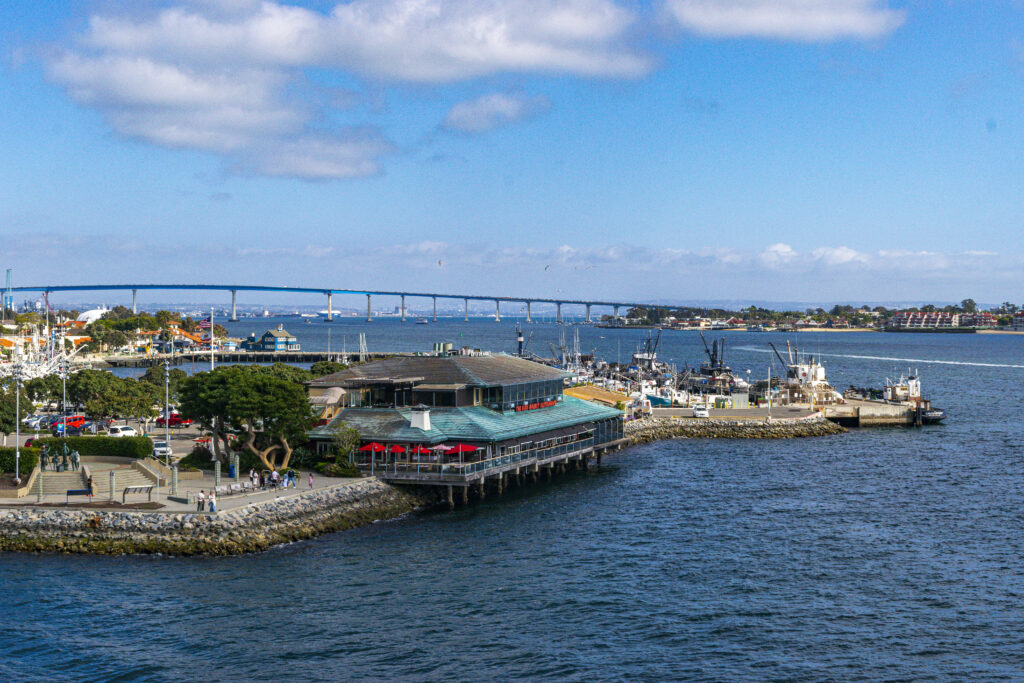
(373, 446)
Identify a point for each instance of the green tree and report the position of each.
(326, 367)
(155, 376)
(164, 317)
(968, 306)
(45, 389)
(287, 372)
(269, 410)
(8, 403)
(346, 438)
(206, 397)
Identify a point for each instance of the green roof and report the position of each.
(470, 423)
(486, 370)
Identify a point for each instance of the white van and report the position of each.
(701, 410)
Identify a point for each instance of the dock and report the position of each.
(860, 413)
(197, 357)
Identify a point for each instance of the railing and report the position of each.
(456, 469)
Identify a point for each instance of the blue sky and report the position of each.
(848, 150)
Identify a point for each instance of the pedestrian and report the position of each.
(200, 499)
(213, 502)
(310, 480)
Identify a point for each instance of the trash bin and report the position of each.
(231, 471)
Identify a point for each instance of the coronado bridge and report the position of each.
(330, 292)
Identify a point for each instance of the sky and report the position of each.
(676, 150)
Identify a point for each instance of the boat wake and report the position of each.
(900, 360)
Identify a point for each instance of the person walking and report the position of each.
(213, 502)
(200, 501)
(310, 480)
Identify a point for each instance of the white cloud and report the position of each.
(229, 76)
(493, 111)
(404, 40)
(803, 20)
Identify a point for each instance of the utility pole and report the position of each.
(167, 411)
(211, 338)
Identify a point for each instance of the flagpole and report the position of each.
(211, 338)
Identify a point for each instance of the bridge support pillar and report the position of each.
(528, 312)
(369, 308)
(403, 308)
(466, 302)
(616, 310)
(435, 309)
(135, 308)
(330, 306)
(588, 313)
(558, 313)
(234, 301)
(497, 311)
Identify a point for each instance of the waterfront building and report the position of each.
(1017, 323)
(277, 339)
(459, 419)
(940, 320)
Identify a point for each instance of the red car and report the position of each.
(70, 421)
(174, 421)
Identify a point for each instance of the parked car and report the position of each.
(69, 421)
(161, 449)
(74, 431)
(122, 430)
(701, 411)
(175, 420)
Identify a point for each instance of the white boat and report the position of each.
(422, 321)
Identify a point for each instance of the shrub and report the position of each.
(121, 447)
(29, 459)
(330, 469)
(200, 458)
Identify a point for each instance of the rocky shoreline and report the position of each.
(252, 528)
(658, 428)
(262, 525)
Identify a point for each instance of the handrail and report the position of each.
(490, 463)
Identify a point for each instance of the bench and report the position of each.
(235, 488)
(77, 492)
(136, 489)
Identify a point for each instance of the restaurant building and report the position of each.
(459, 419)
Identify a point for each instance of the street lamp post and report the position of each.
(18, 377)
(167, 412)
(63, 367)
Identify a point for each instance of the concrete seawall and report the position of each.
(251, 528)
(655, 429)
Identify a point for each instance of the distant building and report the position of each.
(277, 339)
(1017, 322)
(940, 320)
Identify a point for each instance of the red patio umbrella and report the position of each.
(461, 448)
(396, 449)
(372, 446)
(420, 450)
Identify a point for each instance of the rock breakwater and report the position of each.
(654, 429)
(251, 528)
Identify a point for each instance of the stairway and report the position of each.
(57, 483)
(126, 476)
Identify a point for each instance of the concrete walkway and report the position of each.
(187, 488)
